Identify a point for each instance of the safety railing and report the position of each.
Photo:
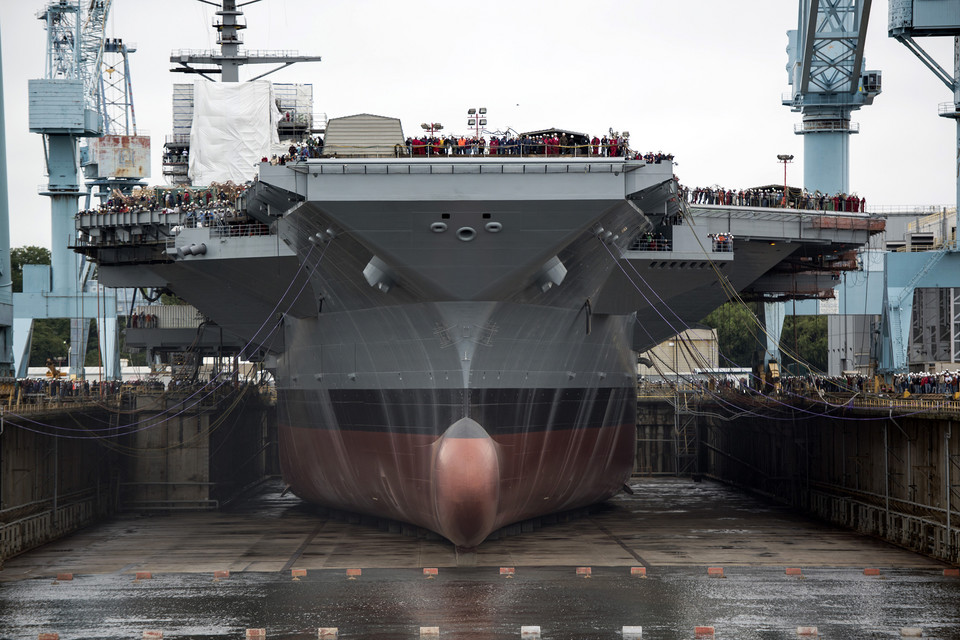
(651, 244)
(243, 53)
(239, 230)
(833, 126)
(913, 209)
(515, 149)
(46, 523)
(926, 403)
(949, 109)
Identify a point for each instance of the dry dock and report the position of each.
(674, 529)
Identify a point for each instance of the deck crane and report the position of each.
(65, 107)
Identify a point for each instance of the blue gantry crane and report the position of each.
(827, 72)
(65, 106)
(905, 272)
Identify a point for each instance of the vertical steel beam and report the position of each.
(6, 283)
(946, 474)
(886, 477)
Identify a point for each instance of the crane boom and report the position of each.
(92, 35)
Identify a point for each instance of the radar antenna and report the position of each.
(227, 61)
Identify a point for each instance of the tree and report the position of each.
(806, 338)
(25, 255)
(50, 340)
(736, 334)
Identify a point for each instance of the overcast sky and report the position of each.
(701, 79)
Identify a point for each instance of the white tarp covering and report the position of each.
(234, 125)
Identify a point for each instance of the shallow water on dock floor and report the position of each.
(476, 603)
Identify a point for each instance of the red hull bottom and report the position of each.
(463, 485)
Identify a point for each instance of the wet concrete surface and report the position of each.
(674, 528)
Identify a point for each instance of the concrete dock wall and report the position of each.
(67, 467)
(50, 486)
(194, 449)
(891, 474)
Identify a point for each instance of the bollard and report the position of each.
(221, 575)
(256, 634)
(430, 572)
(584, 571)
(951, 573)
(807, 631)
(429, 632)
(703, 632)
(152, 635)
(143, 575)
(507, 571)
(715, 571)
(353, 574)
(632, 633)
(794, 571)
(64, 577)
(911, 632)
(328, 632)
(296, 574)
(871, 572)
(530, 633)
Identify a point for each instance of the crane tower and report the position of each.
(65, 106)
(826, 69)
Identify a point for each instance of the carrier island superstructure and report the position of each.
(454, 340)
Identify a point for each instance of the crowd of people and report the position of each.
(650, 241)
(217, 196)
(549, 144)
(142, 321)
(939, 382)
(299, 151)
(213, 206)
(773, 197)
(943, 383)
(722, 242)
(34, 390)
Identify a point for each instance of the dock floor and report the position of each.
(667, 522)
(676, 530)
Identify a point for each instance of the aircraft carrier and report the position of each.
(454, 339)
